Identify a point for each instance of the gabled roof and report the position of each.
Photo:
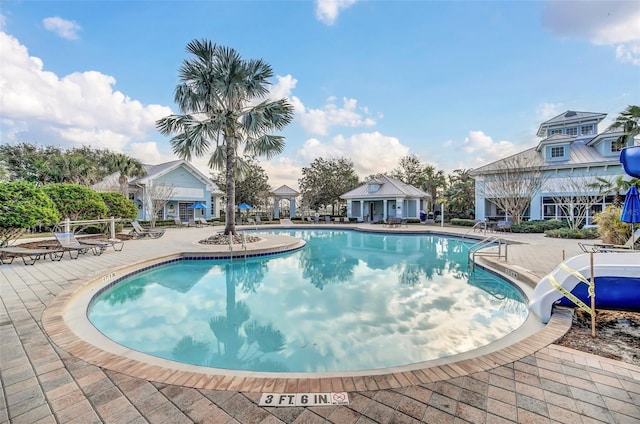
(285, 190)
(157, 171)
(570, 117)
(580, 154)
(389, 187)
(555, 139)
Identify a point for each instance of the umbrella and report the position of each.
(244, 206)
(197, 205)
(631, 208)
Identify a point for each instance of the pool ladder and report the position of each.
(478, 249)
(244, 245)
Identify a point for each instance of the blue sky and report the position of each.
(458, 83)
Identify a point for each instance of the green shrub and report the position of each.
(119, 206)
(611, 229)
(23, 205)
(538, 226)
(463, 222)
(567, 233)
(410, 220)
(76, 202)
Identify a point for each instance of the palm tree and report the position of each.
(628, 121)
(605, 186)
(224, 109)
(126, 166)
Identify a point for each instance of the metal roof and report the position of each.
(389, 187)
(570, 117)
(285, 190)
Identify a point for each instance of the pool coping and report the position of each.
(63, 328)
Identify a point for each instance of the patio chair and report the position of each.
(258, 221)
(139, 232)
(327, 219)
(346, 220)
(179, 223)
(116, 243)
(68, 243)
(503, 226)
(27, 254)
(202, 221)
(606, 247)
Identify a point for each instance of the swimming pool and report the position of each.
(348, 301)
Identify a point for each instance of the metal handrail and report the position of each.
(486, 242)
(479, 224)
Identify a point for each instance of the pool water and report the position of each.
(347, 301)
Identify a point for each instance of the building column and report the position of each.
(292, 203)
(384, 209)
(276, 208)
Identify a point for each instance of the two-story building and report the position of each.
(570, 155)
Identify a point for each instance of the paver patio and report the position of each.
(529, 382)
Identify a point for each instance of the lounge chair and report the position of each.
(8, 254)
(67, 243)
(503, 226)
(258, 221)
(139, 232)
(606, 247)
(179, 223)
(202, 221)
(346, 220)
(116, 243)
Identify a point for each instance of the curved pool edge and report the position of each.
(63, 320)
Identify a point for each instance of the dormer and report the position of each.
(556, 148)
(572, 123)
(374, 185)
(610, 144)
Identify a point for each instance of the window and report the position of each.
(557, 152)
(616, 146)
(586, 129)
(552, 132)
(572, 131)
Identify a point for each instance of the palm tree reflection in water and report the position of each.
(239, 344)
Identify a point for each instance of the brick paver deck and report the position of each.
(49, 376)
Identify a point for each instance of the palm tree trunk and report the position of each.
(230, 219)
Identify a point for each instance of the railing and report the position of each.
(244, 245)
(477, 249)
(67, 224)
(480, 225)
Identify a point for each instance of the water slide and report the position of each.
(617, 283)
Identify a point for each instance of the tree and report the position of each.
(76, 202)
(251, 184)
(23, 205)
(325, 180)
(413, 171)
(409, 171)
(119, 206)
(460, 194)
(26, 162)
(514, 181)
(575, 196)
(224, 109)
(126, 166)
(629, 122)
(616, 186)
(155, 197)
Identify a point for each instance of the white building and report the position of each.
(571, 153)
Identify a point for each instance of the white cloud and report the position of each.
(371, 153)
(62, 27)
(485, 150)
(327, 10)
(80, 108)
(319, 121)
(547, 111)
(609, 23)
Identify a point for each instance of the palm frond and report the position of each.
(266, 145)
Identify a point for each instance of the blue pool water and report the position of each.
(347, 301)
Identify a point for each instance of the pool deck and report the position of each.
(530, 381)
